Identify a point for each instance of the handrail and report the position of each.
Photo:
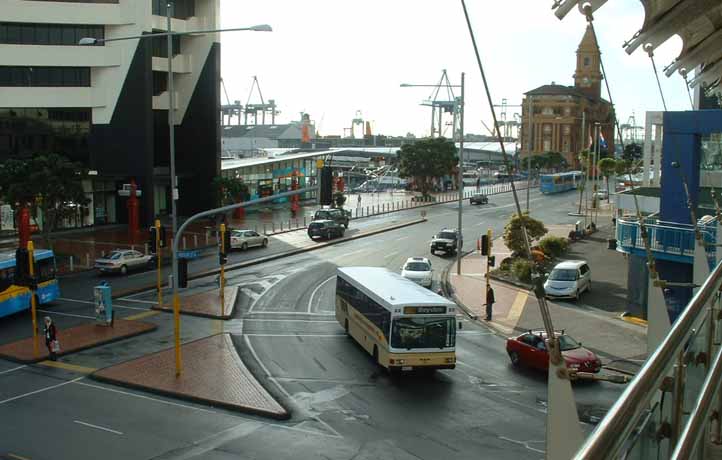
(615, 428)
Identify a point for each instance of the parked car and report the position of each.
(325, 229)
(601, 195)
(445, 240)
(124, 260)
(529, 349)
(479, 198)
(418, 270)
(340, 216)
(568, 279)
(244, 239)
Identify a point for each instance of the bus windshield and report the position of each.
(423, 332)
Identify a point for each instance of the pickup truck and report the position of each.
(338, 215)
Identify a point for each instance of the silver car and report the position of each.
(123, 260)
(244, 239)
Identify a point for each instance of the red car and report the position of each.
(529, 349)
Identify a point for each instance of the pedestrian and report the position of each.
(51, 338)
(489, 301)
(359, 200)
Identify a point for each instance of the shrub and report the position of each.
(505, 264)
(554, 246)
(521, 268)
(538, 256)
(514, 236)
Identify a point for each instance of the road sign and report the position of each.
(319, 163)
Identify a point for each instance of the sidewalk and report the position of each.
(516, 310)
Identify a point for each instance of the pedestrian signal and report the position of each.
(183, 273)
(326, 192)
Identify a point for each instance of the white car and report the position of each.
(244, 239)
(418, 270)
(568, 280)
(124, 260)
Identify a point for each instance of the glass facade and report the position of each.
(182, 9)
(160, 45)
(711, 153)
(44, 76)
(24, 132)
(276, 177)
(16, 33)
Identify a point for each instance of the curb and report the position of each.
(633, 319)
(272, 257)
(165, 309)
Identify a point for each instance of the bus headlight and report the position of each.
(397, 361)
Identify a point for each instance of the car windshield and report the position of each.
(563, 274)
(315, 225)
(323, 214)
(447, 235)
(115, 255)
(568, 343)
(420, 332)
(417, 267)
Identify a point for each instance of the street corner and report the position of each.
(212, 373)
(206, 304)
(74, 339)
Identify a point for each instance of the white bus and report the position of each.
(402, 325)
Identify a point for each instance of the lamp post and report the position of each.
(460, 173)
(169, 34)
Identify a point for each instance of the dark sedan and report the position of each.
(479, 198)
(325, 229)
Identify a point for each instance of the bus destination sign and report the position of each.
(424, 310)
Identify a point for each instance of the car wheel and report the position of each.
(345, 326)
(265, 243)
(341, 232)
(329, 235)
(514, 357)
(376, 355)
(345, 225)
(244, 246)
(123, 270)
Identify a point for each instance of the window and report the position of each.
(547, 111)
(160, 83)
(48, 34)
(160, 45)
(566, 129)
(547, 145)
(586, 61)
(182, 9)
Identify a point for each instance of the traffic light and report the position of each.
(162, 236)
(153, 242)
(484, 245)
(492, 261)
(225, 245)
(183, 273)
(222, 258)
(326, 193)
(22, 267)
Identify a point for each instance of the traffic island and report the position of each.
(206, 304)
(213, 374)
(74, 339)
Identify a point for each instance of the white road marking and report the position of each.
(66, 314)
(98, 427)
(346, 254)
(280, 387)
(293, 335)
(266, 312)
(12, 370)
(402, 238)
(65, 299)
(294, 321)
(391, 254)
(265, 290)
(14, 398)
(524, 444)
(128, 299)
(310, 300)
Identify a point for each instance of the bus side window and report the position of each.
(6, 278)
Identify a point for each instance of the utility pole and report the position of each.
(461, 174)
(528, 161)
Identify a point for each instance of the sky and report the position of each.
(332, 58)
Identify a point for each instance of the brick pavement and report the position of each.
(213, 373)
(205, 304)
(74, 339)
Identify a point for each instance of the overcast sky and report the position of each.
(331, 58)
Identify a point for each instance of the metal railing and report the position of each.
(665, 238)
(671, 410)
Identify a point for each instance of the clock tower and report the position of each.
(588, 76)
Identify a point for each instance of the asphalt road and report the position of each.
(343, 406)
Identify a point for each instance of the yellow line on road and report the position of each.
(68, 367)
(217, 326)
(145, 314)
(517, 307)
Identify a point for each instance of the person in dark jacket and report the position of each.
(50, 337)
(489, 302)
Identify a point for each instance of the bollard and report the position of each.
(71, 258)
(87, 260)
(195, 240)
(102, 253)
(264, 224)
(208, 235)
(289, 224)
(145, 248)
(367, 211)
(273, 227)
(304, 217)
(184, 242)
(132, 247)
(281, 227)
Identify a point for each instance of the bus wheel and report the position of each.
(345, 326)
(376, 355)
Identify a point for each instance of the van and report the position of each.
(568, 279)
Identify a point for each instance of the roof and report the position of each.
(7, 259)
(556, 90)
(570, 264)
(265, 131)
(391, 289)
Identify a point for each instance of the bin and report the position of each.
(103, 297)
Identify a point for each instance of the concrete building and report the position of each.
(106, 105)
(562, 118)
(246, 140)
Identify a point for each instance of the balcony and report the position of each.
(668, 240)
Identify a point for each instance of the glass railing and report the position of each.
(671, 410)
(668, 240)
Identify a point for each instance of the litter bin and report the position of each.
(103, 297)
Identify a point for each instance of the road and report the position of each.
(343, 406)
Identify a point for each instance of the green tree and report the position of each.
(51, 184)
(622, 167)
(632, 152)
(427, 159)
(555, 161)
(607, 166)
(514, 235)
(230, 190)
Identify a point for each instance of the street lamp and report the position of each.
(460, 107)
(169, 34)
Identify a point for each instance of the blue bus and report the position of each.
(15, 298)
(560, 182)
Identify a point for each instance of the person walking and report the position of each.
(51, 338)
(489, 302)
(359, 201)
